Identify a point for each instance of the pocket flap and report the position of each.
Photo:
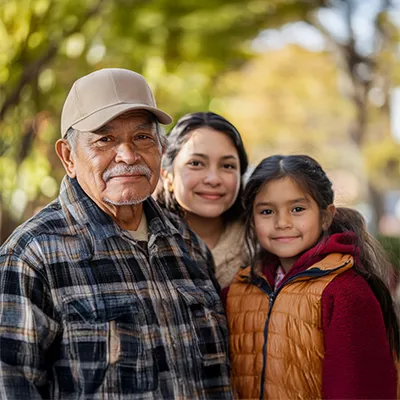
(193, 295)
(100, 309)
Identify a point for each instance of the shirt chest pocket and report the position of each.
(110, 333)
(207, 323)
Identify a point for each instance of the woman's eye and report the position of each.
(298, 209)
(230, 166)
(195, 163)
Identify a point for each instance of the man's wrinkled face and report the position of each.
(119, 164)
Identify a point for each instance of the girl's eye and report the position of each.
(298, 209)
(266, 212)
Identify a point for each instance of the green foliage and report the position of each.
(391, 244)
(384, 156)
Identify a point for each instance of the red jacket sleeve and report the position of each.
(358, 361)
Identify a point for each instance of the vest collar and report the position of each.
(320, 256)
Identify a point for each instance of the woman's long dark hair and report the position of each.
(373, 263)
(176, 139)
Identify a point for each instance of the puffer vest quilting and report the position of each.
(278, 335)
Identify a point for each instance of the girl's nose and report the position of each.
(283, 221)
(127, 153)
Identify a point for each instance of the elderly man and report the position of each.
(103, 295)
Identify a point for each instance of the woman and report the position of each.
(202, 169)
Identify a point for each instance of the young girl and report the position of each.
(203, 168)
(312, 316)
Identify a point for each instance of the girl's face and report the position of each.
(206, 174)
(287, 221)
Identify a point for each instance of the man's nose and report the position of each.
(127, 153)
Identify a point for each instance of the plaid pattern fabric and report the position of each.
(87, 313)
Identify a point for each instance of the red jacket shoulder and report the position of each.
(358, 362)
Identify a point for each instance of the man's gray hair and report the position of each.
(160, 131)
(70, 137)
(162, 137)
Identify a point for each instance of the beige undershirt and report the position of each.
(141, 233)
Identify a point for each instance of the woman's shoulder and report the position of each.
(231, 243)
(234, 233)
(230, 253)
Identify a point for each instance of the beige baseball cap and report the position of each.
(102, 95)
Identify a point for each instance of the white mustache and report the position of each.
(127, 169)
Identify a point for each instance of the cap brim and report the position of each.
(101, 117)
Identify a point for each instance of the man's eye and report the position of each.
(104, 139)
(142, 137)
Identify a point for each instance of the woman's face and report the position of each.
(206, 173)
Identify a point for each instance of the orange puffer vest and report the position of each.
(276, 339)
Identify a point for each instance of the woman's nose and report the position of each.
(212, 178)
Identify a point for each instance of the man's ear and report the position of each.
(327, 217)
(64, 152)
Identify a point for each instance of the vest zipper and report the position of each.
(265, 287)
(272, 297)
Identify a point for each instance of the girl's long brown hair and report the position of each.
(373, 263)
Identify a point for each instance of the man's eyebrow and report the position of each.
(103, 129)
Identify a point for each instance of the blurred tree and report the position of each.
(364, 40)
(182, 47)
(287, 101)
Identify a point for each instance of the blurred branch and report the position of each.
(363, 71)
(33, 24)
(31, 71)
(351, 61)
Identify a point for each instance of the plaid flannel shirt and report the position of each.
(88, 313)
